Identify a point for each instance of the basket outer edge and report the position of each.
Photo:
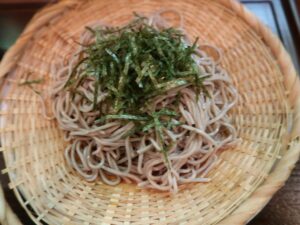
(277, 178)
(40, 19)
(9, 60)
(7, 216)
(262, 195)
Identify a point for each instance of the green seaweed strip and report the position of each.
(134, 64)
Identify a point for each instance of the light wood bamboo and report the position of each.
(267, 117)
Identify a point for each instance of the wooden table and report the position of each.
(280, 15)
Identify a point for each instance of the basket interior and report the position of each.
(33, 146)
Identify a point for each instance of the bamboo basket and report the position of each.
(267, 117)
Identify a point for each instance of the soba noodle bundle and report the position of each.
(110, 152)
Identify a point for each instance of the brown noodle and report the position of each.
(101, 151)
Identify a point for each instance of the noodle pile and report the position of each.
(105, 151)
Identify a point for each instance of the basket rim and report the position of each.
(282, 170)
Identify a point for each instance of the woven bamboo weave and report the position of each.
(267, 118)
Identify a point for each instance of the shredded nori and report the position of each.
(133, 64)
(29, 83)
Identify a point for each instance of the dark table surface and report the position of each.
(282, 16)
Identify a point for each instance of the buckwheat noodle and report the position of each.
(100, 151)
